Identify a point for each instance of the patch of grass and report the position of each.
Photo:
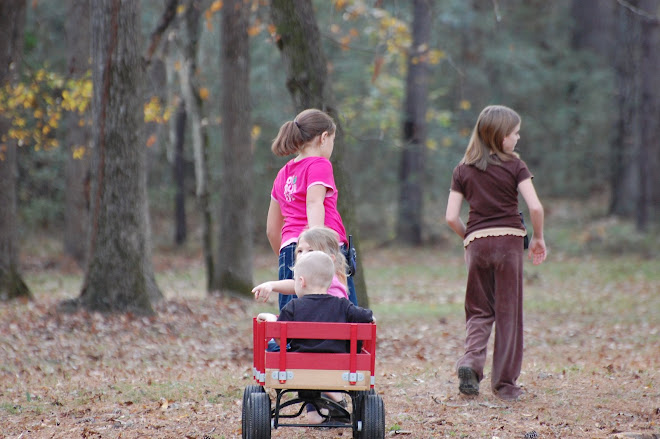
(415, 310)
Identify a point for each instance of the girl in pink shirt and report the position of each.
(319, 239)
(304, 193)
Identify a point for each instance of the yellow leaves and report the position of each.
(435, 56)
(210, 12)
(180, 9)
(255, 132)
(154, 112)
(177, 65)
(215, 6)
(79, 152)
(465, 105)
(204, 93)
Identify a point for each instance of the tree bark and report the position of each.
(12, 25)
(299, 41)
(235, 256)
(411, 176)
(119, 275)
(626, 145)
(194, 108)
(76, 210)
(178, 170)
(649, 154)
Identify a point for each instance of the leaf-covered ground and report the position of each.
(591, 367)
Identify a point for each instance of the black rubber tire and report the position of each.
(249, 390)
(373, 420)
(358, 410)
(259, 418)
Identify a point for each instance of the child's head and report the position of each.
(326, 240)
(494, 124)
(313, 273)
(294, 134)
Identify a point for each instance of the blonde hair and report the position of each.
(327, 240)
(316, 268)
(294, 134)
(494, 123)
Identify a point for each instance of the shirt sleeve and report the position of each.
(320, 172)
(456, 184)
(356, 314)
(523, 172)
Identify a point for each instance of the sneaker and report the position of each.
(469, 383)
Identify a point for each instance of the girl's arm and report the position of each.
(315, 209)
(263, 291)
(537, 250)
(274, 223)
(453, 213)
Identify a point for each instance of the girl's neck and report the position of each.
(309, 151)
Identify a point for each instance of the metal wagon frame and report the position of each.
(307, 375)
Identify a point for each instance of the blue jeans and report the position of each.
(287, 259)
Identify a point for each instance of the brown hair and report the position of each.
(494, 123)
(294, 134)
(326, 240)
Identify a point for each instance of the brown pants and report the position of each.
(494, 294)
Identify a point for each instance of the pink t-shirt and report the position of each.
(290, 191)
(337, 288)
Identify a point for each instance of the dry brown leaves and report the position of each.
(181, 373)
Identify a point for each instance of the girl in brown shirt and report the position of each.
(489, 178)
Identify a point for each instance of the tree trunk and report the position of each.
(649, 157)
(194, 109)
(234, 269)
(625, 177)
(411, 177)
(178, 169)
(307, 80)
(119, 275)
(12, 24)
(77, 136)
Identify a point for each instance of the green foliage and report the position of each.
(514, 53)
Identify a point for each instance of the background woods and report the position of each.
(196, 89)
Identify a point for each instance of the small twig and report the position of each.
(654, 19)
(157, 34)
(496, 9)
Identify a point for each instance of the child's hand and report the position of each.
(262, 291)
(266, 317)
(537, 251)
(373, 319)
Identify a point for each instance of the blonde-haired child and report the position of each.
(321, 239)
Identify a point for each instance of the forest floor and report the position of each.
(591, 366)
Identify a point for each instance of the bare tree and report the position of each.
(194, 109)
(649, 154)
(119, 275)
(234, 269)
(77, 136)
(299, 41)
(411, 176)
(12, 24)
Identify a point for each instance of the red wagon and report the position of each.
(304, 376)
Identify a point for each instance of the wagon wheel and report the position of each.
(249, 390)
(259, 417)
(358, 412)
(373, 421)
